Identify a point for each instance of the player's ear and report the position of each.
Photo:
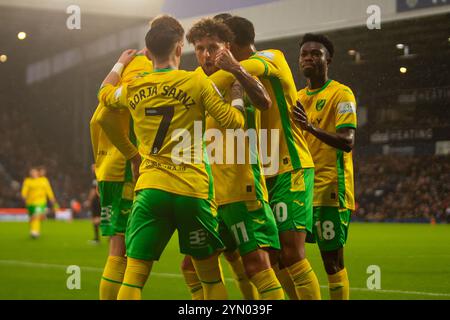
(179, 49)
(147, 54)
(329, 60)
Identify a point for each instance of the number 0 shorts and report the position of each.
(291, 198)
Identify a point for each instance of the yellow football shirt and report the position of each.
(35, 191)
(330, 108)
(285, 143)
(237, 171)
(110, 163)
(169, 109)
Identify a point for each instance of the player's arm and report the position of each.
(24, 191)
(255, 67)
(113, 78)
(94, 129)
(112, 122)
(225, 114)
(253, 88)
(50, 194)
(343, 139)
(111, 94)
(91, 196)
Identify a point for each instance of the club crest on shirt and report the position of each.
(320, 104)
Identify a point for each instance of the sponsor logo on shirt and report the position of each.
(266, 54)
(346, 107)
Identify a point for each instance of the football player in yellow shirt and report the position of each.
(247, 222)
(113, 169)
(290, 174)
(175, 189)
(327, 113)
(36, 190)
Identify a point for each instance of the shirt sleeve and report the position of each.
(24, 191)
(346, 110)
(94, 129)
(112, 121)
(49, 190)
(226, 115)
(113, 97)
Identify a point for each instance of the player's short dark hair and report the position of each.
(165, 31)
(209, 28)
(222, 16)
(243, 30)
(320, 38)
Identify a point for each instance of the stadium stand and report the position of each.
(403, 189)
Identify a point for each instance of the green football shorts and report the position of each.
(291, 199)
(248, 226)
(331, 227)
(35, 210)
(116, 199)
(157, 214)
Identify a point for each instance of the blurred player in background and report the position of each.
(327, 113)
(241, 193)
(114, 171)
(36, 191)
(92, 203)
(173, 193)
(290, 178)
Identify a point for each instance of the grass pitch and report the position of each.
(414, 261)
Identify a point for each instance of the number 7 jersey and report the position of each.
(168, 109)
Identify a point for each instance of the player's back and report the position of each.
(168, 108)
(279, 82)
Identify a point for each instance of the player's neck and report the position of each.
(315, 83)
(246, 52)
(165, 64)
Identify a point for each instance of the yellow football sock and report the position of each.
(269, 288)
(286, 282)
(209, 273)
(339, 286)
(249, 291)
(35, 226)
(194, 284)
(134, 280)
(305, 280)
(112, 277)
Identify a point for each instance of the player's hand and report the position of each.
(226, 61)
(56, 206)
(127, 56)
(300, 117)
(135, 164)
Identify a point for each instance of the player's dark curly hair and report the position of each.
(222, 16)
(320, 38)
(164, 33)
(243, 30)
(209, 28)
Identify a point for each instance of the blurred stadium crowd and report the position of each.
(399, 188)
(22, 149)
(388, 188)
